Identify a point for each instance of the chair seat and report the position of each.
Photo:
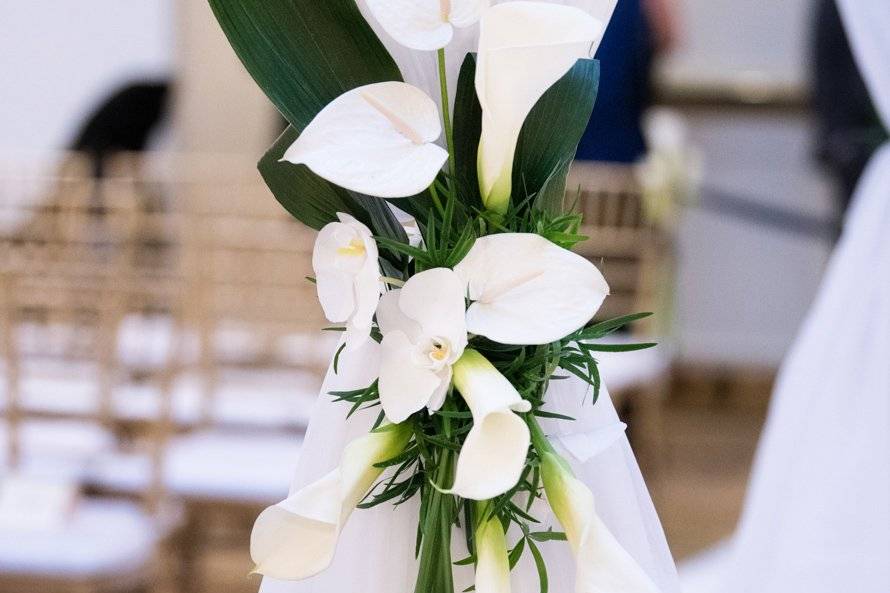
(209, 465)
(55, 448)
(101, 538)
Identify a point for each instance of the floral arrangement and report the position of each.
(473, 314)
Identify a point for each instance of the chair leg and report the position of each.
(187, 548)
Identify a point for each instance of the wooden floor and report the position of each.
(698, 483)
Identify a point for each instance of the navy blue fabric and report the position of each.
(614, 132)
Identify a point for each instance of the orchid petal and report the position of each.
(527, 290)
(404, 388)
(492, 560)
(494, 452)
(603, 566)
(435, 299)
(425, 24)
(376, 139)
(390, 317)
(524, 48)
(296, 538)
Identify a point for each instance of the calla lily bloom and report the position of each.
(425, 24)
(524, 48)
(493, 454)
(603, 566)
(377, 139)
(347, 276)
(424, 333)
(492, 559)
(296, 538)
(527, 290)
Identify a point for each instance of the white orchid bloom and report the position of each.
(296, 538)
(492, 559)
(377, 139)
(493, 454)
(524, 48)
(424, 333)
(603, 566)
(425, 24)
(527, 290)
(347, 276)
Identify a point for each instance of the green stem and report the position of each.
(446, 110)
(539, 439)
(434, 193)
(434, 572)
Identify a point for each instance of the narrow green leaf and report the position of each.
(468, 127)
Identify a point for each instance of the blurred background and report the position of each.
(161, 350)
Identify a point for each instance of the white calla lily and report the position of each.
(493, 454)
(425, 24)
(527, 290)
(603, 566)
(524, 48)
(296, 538)
(492, 559)
(377, 139)
(424, 334)
(347, 276)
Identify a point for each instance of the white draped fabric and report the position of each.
(817, 517)
(376, 549)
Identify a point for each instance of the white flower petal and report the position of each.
(524, 48)
(296, 538)
(335, 294)
(466, 12)
(404, 388)
(494, 452)
(435, 299)
(425, 24)
(602, 564)
(376, 139)
(492, 561)
(390, 317)
(527, 290)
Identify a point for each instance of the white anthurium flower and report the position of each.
(424, 334)
(524, 48)
(603, 566)
(493, 454)
(492, 558)
(425, 24)
(525, 289)
(377, 139)
(296, 538)
(347, 276)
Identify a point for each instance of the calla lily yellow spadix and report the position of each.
(492, 557)
(493, 454)
(527, 290)
(603, 566)
(296, 538)
(377, 139)
(425, 24)
(524, 48)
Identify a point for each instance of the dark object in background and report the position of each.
(614, 133)
(123, 122)
(849, 130)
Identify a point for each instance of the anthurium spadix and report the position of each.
(424, 334)
(296, 538)
(425, 24)
(377, 139)
(524, 48)
(525, 289)
(347, 276)
(603, 566)
(493, 454)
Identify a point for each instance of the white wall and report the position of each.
(58, 57)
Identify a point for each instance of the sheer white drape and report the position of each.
(817, 517)
(376, 549)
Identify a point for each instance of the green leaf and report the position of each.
(304, 53)
(467, 129)
(550, 136)
(539, 564)
(616, 347)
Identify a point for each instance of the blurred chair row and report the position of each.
(162, 355)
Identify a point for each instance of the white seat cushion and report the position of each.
(210, 465)
(101, 538)
(55, 448)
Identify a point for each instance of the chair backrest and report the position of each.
(635, 256)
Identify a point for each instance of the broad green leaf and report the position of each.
(304, 53)
(550, 137)
(467, 129)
